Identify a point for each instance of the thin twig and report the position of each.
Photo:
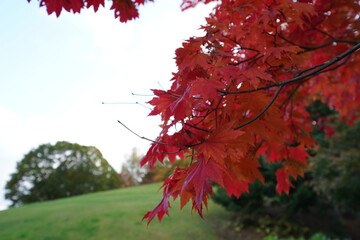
(157, 94)
(145, 138)
(119, 103)
(263, 111)
(161, 86)
(140, 104)
(143, 95)
(185, 147)
(169, 93)
(307, 49)
(247, 60)
(201, 129)
(323, 32)
(292, 93)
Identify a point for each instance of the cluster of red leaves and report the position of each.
(242, 88)
(125, 10)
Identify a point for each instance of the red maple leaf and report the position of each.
(160, 210)
(125, 10)
(254, 75)
(214, 146)
(206, 88)
(171, 188)
(198, 179)
(283, 180)
(95, 4)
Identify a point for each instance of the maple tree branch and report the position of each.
(273, 67)
(201, 129)
(293, 126)
(185, 147)
(168, 153)
(247, 48)
(347, 41)
(338, 65)
(158, 94)
(321, 68)
(246, 60)
(145, 138)
(309, 69)
(291, 94)
(216, 111)
(262, 111)
(195, 144)
(333, 38)
(312, 73)
(323, 32)
(307, 49)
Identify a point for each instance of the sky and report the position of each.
(56, 72)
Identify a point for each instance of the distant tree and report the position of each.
(61, 170)
(158, 173)
(131, 173)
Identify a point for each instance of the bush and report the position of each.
(336, 168)
(263, 199)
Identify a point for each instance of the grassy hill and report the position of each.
(108, 215)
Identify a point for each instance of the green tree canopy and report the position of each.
(61, 170)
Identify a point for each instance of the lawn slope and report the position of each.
(108, 215)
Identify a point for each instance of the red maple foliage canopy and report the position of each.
(241, 91)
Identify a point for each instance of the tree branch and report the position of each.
(307, 49)
(326, 65)
(312, 73)
(201, 129)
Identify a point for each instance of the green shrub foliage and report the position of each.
(262, 198)
(336, 168)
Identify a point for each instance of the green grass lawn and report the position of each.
(108, 215)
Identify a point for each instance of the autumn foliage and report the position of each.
(125, 10)
(241, 91)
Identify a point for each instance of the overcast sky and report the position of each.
(56, 72)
